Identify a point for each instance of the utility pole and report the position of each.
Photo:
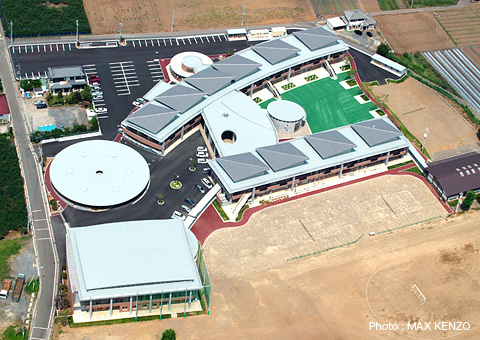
(173, 18)
(243, 14)
(411, 4)
(425, 135)
(121, 26)
(76, 23)
(11, 33)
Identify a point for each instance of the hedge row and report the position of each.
(76, 129)
(39, 17)
(13, 209)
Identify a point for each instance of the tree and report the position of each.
(160, 198)
(478, 133)
(192, 163)
(468, 200)
(383, 49)
(169, 334)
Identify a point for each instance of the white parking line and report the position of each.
(25, 49)
(206, 37)
(45, 73)
(32, 48)
(63, 45)
(146, 43)
(201, 39)
(38, 48)
(133, 42)
(152, 43)
(140, 43)
(213, 38)
(57, 46)
(171, 42)
(44, 48)
(69, 47)
(195, 39)
(42, 239)
(158, 42)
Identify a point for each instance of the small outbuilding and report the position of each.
(455, 175)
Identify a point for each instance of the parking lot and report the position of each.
(162, 172)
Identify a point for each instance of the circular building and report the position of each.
(185, 64)
(99, 174)
(287, 117)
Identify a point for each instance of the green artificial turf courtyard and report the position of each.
(327, 104)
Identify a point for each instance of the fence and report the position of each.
(325, 250)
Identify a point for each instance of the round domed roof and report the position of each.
(286, 111)
(99, 173)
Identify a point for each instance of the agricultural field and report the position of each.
(332, 8)
(40, 17)
(462, 25)
(414, 32)
(474, 53)
(156, 15)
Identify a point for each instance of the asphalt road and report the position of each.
(369, 72)
(162, 172)
(46, 257)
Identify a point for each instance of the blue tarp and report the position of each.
(47, 127)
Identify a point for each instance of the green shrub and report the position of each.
(468, 200)
(30, 84)
(169, 334)
(53, 204)
(288, 86)
(351, 82)
(257, 100)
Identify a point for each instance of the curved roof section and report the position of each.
(99, 173)
(248, 67)
(238, 113)
(114, 259)
(330, 143)
(376, 131)
(209, 80)
(152, 117)
(316, 38)
(275, 51)
(282, 156)
(315, 161)
(195, 60)
(237, 66)
(180, 97)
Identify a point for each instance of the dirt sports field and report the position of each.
(462, 24)
(258, 294)
(419, 107)
(414, 32)
(156, 15)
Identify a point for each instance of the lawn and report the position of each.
(327, 104)
(8, 248)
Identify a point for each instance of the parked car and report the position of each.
(97, 93)
(138, 102)
(206, 170)
(185, 208)
(97, 97)
(190, 201)
(42, 106)
(202, 154)
(199, 188)
(101, 110)
(201, 161)
(201, 149)
(370, 34)
(94, 88)
(358, 32)
(36, 102)
(207, 183)
(93, 78)
(179, 215)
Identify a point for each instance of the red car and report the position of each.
(93, 79)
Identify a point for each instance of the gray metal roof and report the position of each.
(457, 174)
(282, 156)
(316, 38)
(359, 14)
(126, 258)
(376, 131)
(180, 97)
(275, 51)
(152, 117)
(210, 80)
(330, 143)
(242, 166)
(65, 72)
(237, 66)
